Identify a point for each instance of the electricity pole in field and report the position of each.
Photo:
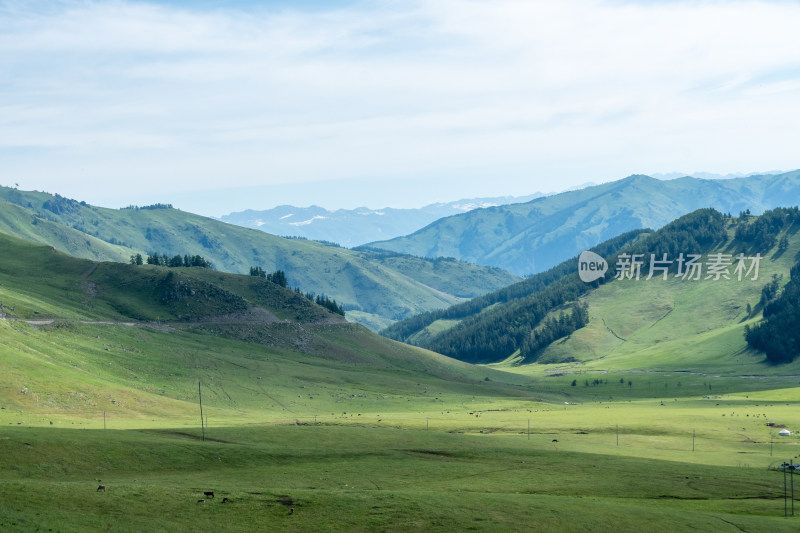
(202, 424)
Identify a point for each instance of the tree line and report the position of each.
(148, 207)
(60, 205)
(324, 301)
(778, 335)
(762, 232)
(552, 329)
(279, 278)
(174, 261)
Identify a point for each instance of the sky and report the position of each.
(221, 106)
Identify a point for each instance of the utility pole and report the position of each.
(202, 425)
(785, 510)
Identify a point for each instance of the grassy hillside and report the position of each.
(544, 325)
(49, 298)
(674, 324)
(352, 431)
(532, 237)
(40, 282)
(445, 274)
(375, 294)
(495, 325)
(21, 222)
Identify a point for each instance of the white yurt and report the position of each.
(784, 433)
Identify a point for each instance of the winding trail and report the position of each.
(46, 321)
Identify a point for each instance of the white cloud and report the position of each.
(488, 96)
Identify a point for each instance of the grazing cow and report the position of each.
(555, 440)
(201, 501)
(101, 487)
(291, 511)
(209, 494)
(225, 500)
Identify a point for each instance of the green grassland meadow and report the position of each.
(656, 416)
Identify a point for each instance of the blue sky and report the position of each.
(219, 106)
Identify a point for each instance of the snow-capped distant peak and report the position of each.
(473, 205)
(287, 216)
(307, 222)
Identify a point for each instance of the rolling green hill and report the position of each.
(144, 335)
(490, 327)
(38, 282)
(373, 292)
(23, 223)
(625, 316)
(534, 236)
(674, 324)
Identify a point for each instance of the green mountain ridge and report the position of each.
(372, 290)
(538, 322)
(39, 282)
(532, 237)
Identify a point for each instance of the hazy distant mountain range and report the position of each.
(526, 238)
(352, 227)
(713, 176)
(378, 288)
